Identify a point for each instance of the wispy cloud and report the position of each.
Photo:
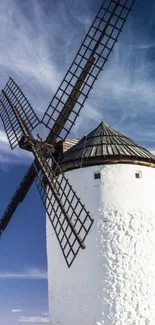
(31, 274)
(145, 46)
(35, 53)
(17, 310)
(45, 314)
(9, 156)
(33, 319)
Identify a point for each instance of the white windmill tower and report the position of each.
(110, 281)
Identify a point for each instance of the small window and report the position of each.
(97, 175)
(138, 174)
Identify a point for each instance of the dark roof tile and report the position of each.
(107, 143)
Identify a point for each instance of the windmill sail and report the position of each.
(99, 42)
(73, 222)
(12, 96)
(18, 197)
(69, 217)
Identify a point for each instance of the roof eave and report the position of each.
(104, 160)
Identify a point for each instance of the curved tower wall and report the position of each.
(112, 281)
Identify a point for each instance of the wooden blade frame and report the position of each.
(70, 219)
(18, 197)
(13, 96)
(69, 99)
(66, 210)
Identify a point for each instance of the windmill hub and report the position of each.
(26, 143)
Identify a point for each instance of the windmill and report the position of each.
(71, 221)
(19, 120)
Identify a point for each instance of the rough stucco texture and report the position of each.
(112, 281)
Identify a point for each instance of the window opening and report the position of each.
(97, 175)
(138, 174)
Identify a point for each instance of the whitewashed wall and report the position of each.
(112, 281)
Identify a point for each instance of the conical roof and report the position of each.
(105, 145)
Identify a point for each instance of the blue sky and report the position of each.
(39, 39)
